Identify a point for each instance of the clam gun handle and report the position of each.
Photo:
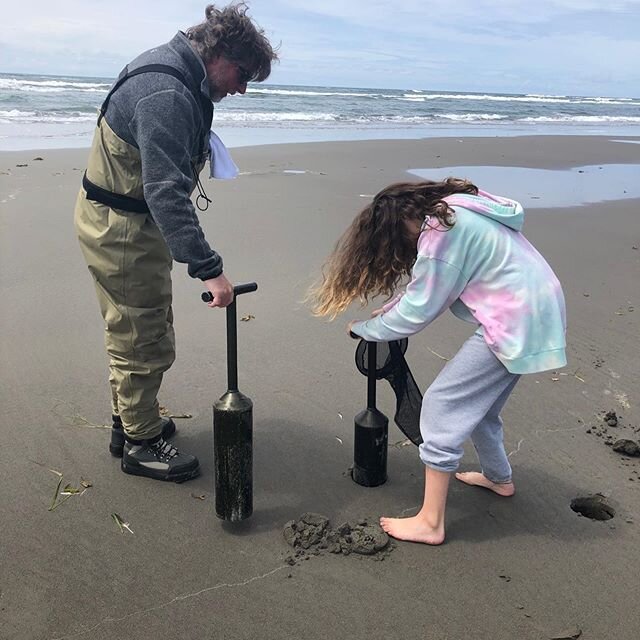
(248, 287)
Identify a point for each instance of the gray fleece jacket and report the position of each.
(158, 115)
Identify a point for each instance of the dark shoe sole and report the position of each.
(136, 470)
(116, 446)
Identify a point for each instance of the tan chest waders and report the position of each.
(131, 267)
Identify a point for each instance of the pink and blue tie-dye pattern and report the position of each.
(487, 273)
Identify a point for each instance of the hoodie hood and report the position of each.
(505, 211)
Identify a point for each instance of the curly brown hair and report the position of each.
(379, 249)
(229, 32)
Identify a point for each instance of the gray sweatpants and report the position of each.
(465, 401)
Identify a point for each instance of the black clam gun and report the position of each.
(233, 430)
(377, 361)
(371, 433)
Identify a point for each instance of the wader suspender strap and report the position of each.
(117, 200)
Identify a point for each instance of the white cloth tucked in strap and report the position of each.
(222, 165)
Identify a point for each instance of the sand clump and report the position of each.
(611, 418)
(312, 534)
(626, 447)
(615, 432)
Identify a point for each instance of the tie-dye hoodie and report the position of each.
(489, 274)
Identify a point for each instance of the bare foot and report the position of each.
(412, 529)
(505, 489)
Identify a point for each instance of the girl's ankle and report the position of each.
(430, 520)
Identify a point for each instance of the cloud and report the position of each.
(422, 16)
(564, 46)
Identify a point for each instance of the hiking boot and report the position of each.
(158, 459)
(117, 434)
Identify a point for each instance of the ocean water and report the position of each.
(49, 112)
(545, 188)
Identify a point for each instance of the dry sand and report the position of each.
(527, 568)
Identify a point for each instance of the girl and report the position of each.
(464, 251)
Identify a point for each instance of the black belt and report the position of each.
(111, 199)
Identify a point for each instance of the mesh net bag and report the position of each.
(392, 366)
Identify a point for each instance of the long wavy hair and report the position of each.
(230, 32)
(379, 248)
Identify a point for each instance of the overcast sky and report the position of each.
(577, 47)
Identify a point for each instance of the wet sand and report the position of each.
(525, 568)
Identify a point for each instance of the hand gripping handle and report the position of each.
(239, 289)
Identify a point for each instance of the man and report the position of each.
(134, 215)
